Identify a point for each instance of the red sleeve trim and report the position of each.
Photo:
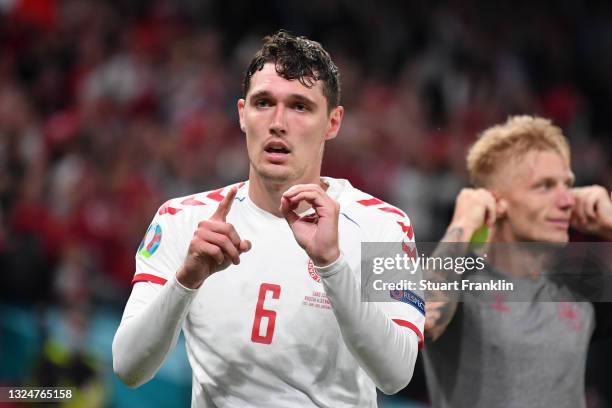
(192, 201)
(166, 209)
(145, 277)
(216, 195)
(409, 250)
(375, 201)
(414, 329)
(392, 210)
(406, 229)
(371, 201)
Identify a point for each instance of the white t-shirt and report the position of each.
(263, 333)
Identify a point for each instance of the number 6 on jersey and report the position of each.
(260, 313)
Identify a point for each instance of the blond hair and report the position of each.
(512, 140)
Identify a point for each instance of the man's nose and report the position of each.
(278, 125)
(566, 199)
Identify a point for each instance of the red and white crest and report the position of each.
(312, 272)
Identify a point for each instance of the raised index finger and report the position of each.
(225, 206)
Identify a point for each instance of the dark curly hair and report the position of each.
(297, 58)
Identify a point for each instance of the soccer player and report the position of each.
(514, 354)
(264, 276)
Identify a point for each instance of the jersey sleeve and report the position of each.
(393, 238)
(158, 305)
(164, 246)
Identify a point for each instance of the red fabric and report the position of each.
(216, 195)
(392, 210)
(371, 201)
(412, 327)
(145, 277)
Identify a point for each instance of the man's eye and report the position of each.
(545, 185)
(300, 107)
(262, 103)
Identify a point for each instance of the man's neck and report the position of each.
(519, 259)
(266, 194)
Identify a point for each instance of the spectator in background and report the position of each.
(531, 352)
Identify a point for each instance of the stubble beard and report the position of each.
(275, 174)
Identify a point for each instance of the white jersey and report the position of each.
(263, 333)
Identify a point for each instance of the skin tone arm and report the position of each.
(473, 208)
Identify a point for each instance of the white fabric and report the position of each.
(327, 348)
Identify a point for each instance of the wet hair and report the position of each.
(297, 58)
(510, 141)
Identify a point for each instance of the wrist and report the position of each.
(331, 269)
(465, 228)
(189, 280)
(326, 259)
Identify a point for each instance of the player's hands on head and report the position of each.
(316, 233)
(473, 209)
(214, 246)
(592, 212)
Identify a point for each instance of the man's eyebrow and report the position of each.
(260, 94)
(294, 97)
(551, 179)
(301, 98)
(543, 179)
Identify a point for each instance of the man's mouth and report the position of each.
(277, 148)
(562, 223)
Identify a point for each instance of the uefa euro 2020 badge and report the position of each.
(151, 241)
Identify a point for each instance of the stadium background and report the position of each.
(108, 108)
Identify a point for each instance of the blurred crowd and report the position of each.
(107, 109)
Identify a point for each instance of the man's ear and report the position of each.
(335, 120)
(240, 106)
(501, 205)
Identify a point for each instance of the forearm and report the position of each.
(385, 350)
(442, 305)
(149, 330)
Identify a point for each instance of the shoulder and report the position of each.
(371, 212)
(199, 204)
